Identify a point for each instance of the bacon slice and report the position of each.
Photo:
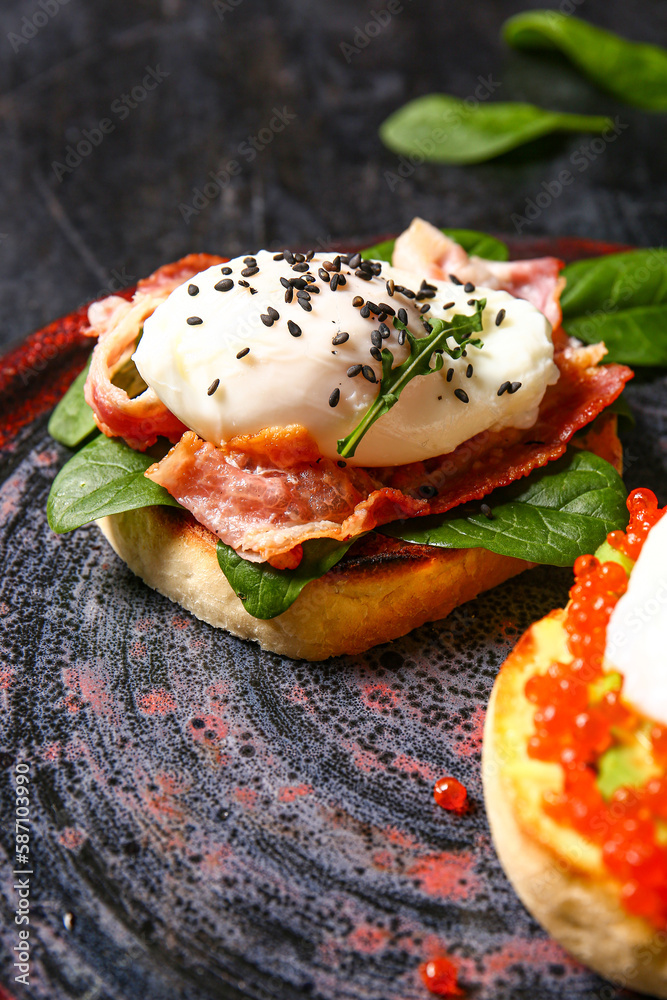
(266, 494)
(425, 250)
(117, 321)
(263, 509)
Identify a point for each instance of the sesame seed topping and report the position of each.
(279, 256)
(402, 315)
(285, 283)
(310, 255)
(357, 301)
(387, 309)
(368, 373)
(194, 321)
(298, 282)
(513, 387)
(193, 290)
(324, 275)
(401, 338)
(299, 258)
(468, 287)
(212, 387)
(341, 464)
(500, 317)
(314, 289)
(340, 338)
(353, 370)
(365, 311)
(301, 266)
(503, 388)
(486, 511)
(424, 308)
(449, 305)
(250, 261)
(289, 256)
(376, 353)
(248, 272)
(363, 274)
(273, 313)
(335, 279)
(303, 294)
(462, 395)
(454, 280)
(334, 397)
(246, 284)
(384, 331)
(472, 302)
(354, 260)
(266, 319)
(376, 338)
(450, 374)
(293, 328)
(469, 371)
(390, 287)
(342, 280)
(225, 270)
(305, 305)
(224, 285)
(407, 293)
(242, 354)
(289, 294)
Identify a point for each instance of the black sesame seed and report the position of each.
(279, 256)
(334, 397)
(384, 331)
(253, 291)
(212, 387)
(403, 316)
(193, 290)
(242, 354)
(273, 313)
(382, 317)
(462, 395)
(266, 319)
(368, 373)
(373, 307)
(301, 267)
(376, 338)
(468, 287)
(324, 275)
(335, 278)
(298, 282)
(365, 311)
(472, 302)
(450, 374)
(248, 272)
(454, 280)
(310, 255)
(407, 293)
(285, 282)
(225, 285)
(289, 256)
(289, 294)
(341, 464)
(353, 370)
(486, 511)
(364, 275)
(449, 305)
(424, 308)
(293, 328)
(426, 286)
(340, 338)
(500, 317)
(305, 305)
(314, 289)
(424, 293)
(299, 258)
(513, 388)
(194, 321)
(342, 280)
(387, 309)
(427, 491)
(226, 270)
(355, 260)
(376, 353)
(357, 301)
(401, 338)
(303, 294)
(390, 287)
(250, 261)
(469, 371)
(246, 284)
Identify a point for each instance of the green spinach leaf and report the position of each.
(105, 477)
(621, 299)
(633, 71)
(480, 244)
(557, 514)
(267, 592)
(425, 357)
(72, 420)
(443, 129)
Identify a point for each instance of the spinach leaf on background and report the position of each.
(72, 420)
(480, 244)
(105, 477)
(558, 513)
(443, 129)
(635, 72)
(621, 299)
(267, 592)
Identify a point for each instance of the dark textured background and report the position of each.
(117, 214)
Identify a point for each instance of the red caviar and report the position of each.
(450, 794)
(440, 977)
(574, 726)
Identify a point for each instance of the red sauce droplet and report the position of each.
(450, 794)
(439, 976)
(573, 727)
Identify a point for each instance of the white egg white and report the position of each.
(285, 379)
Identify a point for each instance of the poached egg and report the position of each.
(277, 339)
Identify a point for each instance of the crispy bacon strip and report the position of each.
(117, 321)
(425, 250)
(266, 494)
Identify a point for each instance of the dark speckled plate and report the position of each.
(210, 821)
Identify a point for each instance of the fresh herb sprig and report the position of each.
(424, 358)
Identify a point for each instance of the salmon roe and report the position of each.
(450, 794)
(575, 724)
(440, 977)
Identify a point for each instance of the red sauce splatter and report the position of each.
(440, 977)
(574, 727)
(450, 794)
